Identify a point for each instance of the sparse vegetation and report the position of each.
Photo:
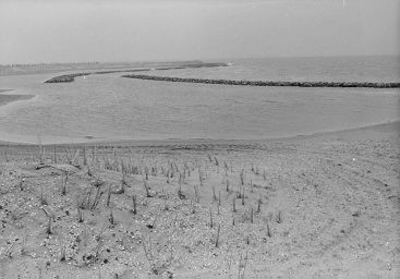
(121, 208)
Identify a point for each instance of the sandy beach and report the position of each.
(199, 139)
(321, 206)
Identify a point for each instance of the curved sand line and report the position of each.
(6, 98)
(212, 144)
(5, 90)
(268, 83)
(370, 131)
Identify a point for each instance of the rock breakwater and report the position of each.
(71, 77)
(268, 83)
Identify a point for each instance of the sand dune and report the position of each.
(323, 206)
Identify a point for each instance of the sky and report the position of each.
(45, 31)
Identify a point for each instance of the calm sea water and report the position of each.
(108, 107)
(358, 69)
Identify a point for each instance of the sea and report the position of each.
(109, 107)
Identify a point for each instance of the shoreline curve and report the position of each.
(9, 98)
(210, 143)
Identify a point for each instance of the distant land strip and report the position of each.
(269, 83)
(71, 77)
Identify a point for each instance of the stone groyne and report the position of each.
(66, 78)
(71, 77)
(269, 83)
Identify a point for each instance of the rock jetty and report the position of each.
(66, 78)
(71, 77)
(268, 83)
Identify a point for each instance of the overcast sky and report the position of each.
(132, 30)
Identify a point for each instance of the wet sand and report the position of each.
(5, 98)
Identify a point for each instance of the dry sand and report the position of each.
(323, 206)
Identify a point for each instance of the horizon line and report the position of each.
(190, 60)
